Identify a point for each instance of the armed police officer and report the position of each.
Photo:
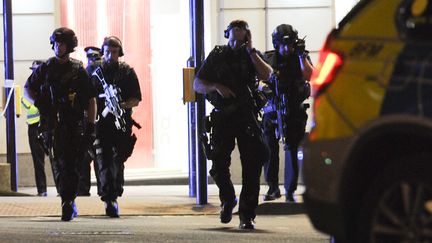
(228, 78)
(94, 60)
(285, 115)
(36, 148)
(119, 91)
(61, 91)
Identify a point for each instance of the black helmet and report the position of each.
(114, 42)
(64, 35)
(236, 23)
(284, 34)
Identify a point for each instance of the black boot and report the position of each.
(273, 193)
(289, 197)
(226, 212)
(111, 209)
(69, 210)
(247, 224)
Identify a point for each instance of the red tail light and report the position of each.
(328, 64)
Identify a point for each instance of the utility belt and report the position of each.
(253, 99)
(231, 108)
(218, 122)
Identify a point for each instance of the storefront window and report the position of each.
(155, 37)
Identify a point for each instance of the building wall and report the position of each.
(313, 19)
(33, 22)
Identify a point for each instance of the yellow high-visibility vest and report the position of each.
(32, 111)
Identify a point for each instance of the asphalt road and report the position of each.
(191, 228)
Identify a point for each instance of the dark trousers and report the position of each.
(252, 155)
(38, 156)
(111, 168)
(84, 175)
(271, 167)
(55, 166)
(291, 169)
(67, 152)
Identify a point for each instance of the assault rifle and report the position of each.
(112, 100)
(46, 139)
(48, 107)
(280, 106)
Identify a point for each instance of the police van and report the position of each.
(368, 158)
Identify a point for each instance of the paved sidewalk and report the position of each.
(137, 200)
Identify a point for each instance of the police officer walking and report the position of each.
(227, 78)
(37, 151)
(285, 115)
(61, 91)
(94, 60)
(114, 123)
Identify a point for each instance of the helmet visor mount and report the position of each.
(287, 40)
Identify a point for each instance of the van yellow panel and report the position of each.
(328, 115)
(374, 19)
(364, 80)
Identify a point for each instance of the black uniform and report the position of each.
(116, 145)
(84, 175)
(235, 118)
(62, 94)
(38, 156)
(84, 166)
(295, 89)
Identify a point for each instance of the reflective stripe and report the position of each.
(33, 115)
(25, 103)
(31, 122)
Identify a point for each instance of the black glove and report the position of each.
(300, 47)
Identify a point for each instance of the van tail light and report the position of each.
(328, 64)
